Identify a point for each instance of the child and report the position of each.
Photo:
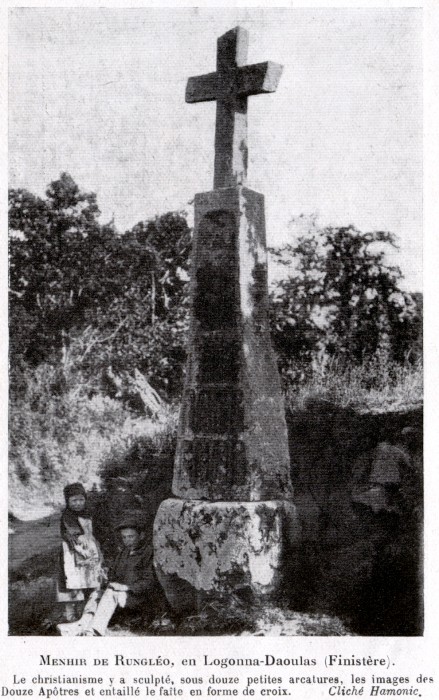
(81, 570)
(131, 577)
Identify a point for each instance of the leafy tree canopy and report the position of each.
(84, 296)
(341, 298)
(79, 290)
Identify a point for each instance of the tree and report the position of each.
(341, 300)
(58, 265)
(145, 327)
(82, 294)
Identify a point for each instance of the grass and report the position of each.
(30, 604)
(373, 387)
(60, 438)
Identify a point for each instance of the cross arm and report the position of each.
(247, 80)
(258, 78)
(202, 88)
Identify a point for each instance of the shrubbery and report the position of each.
(339, 300)
(376, 385)
(60, 437)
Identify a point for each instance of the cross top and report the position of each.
(230, 86)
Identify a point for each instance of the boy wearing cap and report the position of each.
(130, 578)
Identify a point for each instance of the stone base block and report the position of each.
(205, 550)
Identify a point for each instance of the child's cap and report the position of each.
(76, 489)
(134, 520)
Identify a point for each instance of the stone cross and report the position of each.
(224, 530)
(230, 86)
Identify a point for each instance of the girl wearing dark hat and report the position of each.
(81, 572)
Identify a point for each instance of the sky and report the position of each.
(99, 93)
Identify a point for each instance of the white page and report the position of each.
(102, 163)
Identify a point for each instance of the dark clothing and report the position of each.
(134, 569)
(71, 528)
(389, 465)
(385, 464)
(379, 477)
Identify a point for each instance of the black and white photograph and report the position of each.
(216, 323)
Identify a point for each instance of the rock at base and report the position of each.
(206, 551)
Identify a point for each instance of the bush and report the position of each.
(139, 479)
(57, 437)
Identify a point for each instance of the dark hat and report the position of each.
(76, 489)
(133, 520)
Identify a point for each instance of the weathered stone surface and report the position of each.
(231, 85)
(207, 550)
(232, 438)
(232, 447)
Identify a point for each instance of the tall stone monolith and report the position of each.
(225, 529)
